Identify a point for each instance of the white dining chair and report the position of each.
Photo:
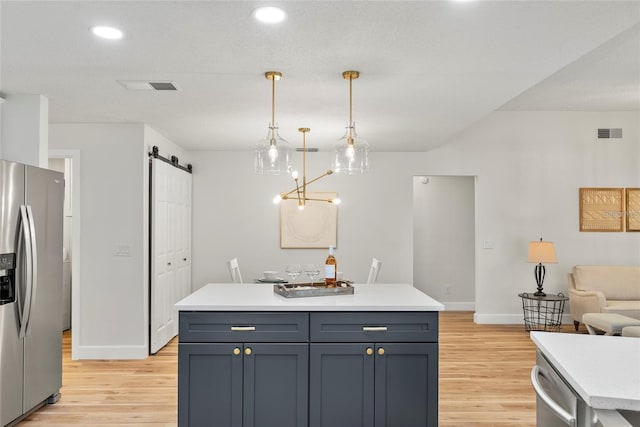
(234, 270)
(374, 271)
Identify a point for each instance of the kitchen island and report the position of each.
(250, 357)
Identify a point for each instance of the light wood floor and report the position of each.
(484, 381)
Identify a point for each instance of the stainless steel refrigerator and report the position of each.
(31, 216)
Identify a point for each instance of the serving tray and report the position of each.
(300, 290)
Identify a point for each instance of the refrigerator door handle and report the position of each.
(34, 266)
(25, 231)
(19, 272)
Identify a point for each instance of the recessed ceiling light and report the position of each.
(104, 32)
(269, 14)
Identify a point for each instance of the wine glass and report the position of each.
(312, 270)
(293, 270)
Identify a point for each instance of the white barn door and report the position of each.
(170, 249)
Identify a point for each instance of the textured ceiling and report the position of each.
(429, 69)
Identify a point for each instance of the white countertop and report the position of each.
(260, 297)
(603, 370)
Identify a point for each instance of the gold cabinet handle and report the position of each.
(247, 351)
(236, 351)
(381, 351)
(242, 328)
(369, 351)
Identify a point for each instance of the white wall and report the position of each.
(233, 216)
(24, 137)
(529, 167)
(444, 239)
(113, 294)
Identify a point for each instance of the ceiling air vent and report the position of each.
(309, 150)
(609, 133)
(147, 85)
(163, 85)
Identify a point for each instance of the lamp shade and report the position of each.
(542, 252)
(351, 153)
(273, 154)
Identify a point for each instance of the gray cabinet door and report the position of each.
(406, 385)
(209, 385)
(341, 386)
(250, 385)
(276, 385)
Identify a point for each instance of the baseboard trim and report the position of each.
(459, 306)
(509, 319)
(125, 352)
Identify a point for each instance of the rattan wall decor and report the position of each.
(602, 209)
(633, 209)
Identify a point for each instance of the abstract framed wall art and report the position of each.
(632, 209)
(314, 227)
(602, 209)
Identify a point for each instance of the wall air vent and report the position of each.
(309, 150)
(147, 85)
(609, 133)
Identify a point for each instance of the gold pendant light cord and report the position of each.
(273, 102)
(350, 99)
(304, 161)
(351, 75)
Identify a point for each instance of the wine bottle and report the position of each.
(330, 269)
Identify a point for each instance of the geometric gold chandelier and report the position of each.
(299, 193)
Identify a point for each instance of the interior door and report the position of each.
(182, 230)
(162, 289)
(170, 248)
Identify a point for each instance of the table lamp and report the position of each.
(540, 252)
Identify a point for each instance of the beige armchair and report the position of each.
(604, 289)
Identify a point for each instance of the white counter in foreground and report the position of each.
(260, 297)
(603, 370)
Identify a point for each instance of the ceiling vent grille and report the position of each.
(309, 150)
(609, 133)
(148, 85)
(163, 85)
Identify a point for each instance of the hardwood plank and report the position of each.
(484, 381)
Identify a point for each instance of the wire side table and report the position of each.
(542, 313)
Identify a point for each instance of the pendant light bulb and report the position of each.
(351, 153)
(277, 199)
(273, 154)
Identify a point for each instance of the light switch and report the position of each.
(487, 244)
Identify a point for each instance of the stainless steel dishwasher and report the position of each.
(558, 405)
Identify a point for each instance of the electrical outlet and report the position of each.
(122, 251)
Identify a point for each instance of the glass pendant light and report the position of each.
(273, 154)
(351, 153)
